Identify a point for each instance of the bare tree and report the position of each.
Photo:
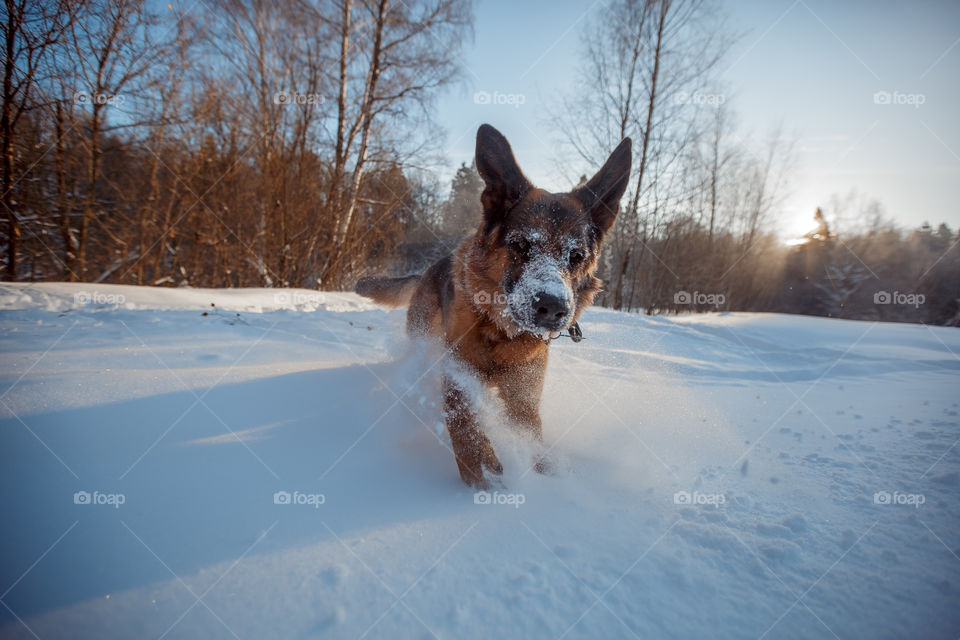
(29, 31)
(646, 61)
(389, 64)
(112, 48)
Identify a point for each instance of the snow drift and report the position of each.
(270, 464)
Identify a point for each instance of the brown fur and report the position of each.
(392, 292)
(462, 299)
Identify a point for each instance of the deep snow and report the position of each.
(716, 477)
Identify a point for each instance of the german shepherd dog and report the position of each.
(525, 276)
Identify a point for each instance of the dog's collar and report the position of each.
(574, 333)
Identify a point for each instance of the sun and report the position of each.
(799, 223)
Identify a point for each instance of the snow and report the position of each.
(541, 276)
(724, 475)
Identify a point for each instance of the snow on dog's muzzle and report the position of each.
(542, 299)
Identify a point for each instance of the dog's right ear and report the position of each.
(505, 183)
(601, 195)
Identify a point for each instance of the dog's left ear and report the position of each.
(601, 195)
(505, 183)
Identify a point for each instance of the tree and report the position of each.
(391, 59)
(30, 30)
(112, 48)
(644, 60)
(462, 211)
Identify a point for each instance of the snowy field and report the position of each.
(269, 467)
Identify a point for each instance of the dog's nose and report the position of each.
(549, 310)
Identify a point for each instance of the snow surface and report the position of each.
(715, 477)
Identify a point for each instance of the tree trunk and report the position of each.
(63, 201)
(93, 175)
(646, 134)
(6, 130)
(366, 117)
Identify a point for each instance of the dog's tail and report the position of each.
(393, 292)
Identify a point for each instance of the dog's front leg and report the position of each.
(471, 447)
(520, 390)
(522, 405)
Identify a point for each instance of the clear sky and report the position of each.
(813, 66)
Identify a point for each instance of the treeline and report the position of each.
(292, 144)
(878, 272)
(698, 224)
(245, 143)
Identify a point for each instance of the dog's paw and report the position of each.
(471, 470)
(475, 481)
(472, 463)
(490, 461)
(474, 454)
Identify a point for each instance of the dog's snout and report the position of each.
(549, 310)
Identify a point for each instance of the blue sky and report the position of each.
(811, 65)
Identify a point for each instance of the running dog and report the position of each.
(525, 276)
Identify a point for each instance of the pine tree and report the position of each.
(461, 213)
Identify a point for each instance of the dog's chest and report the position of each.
(492, 354)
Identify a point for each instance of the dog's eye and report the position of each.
(520, 246)
(577, 257)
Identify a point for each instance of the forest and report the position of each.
(251, 143)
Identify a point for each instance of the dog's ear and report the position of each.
(601, 195)
(505, 183)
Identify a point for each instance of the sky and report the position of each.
(815, 67)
